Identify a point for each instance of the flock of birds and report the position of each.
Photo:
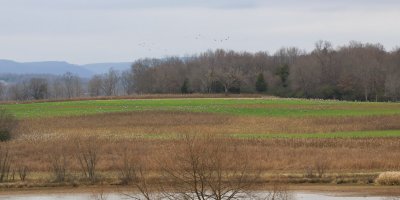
(149, 46)
(220, 40)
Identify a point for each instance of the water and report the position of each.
(114, 196)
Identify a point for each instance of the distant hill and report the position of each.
(100, 68)
(58, 68)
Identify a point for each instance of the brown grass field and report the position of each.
(273, 155)
(153, 136)
(147, 123)
(38, 136)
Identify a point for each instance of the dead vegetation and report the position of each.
(273, 154)
(58, 162)
(203, 167)
(208, 168)
(126, 149)
(158, 123)
(278, 191)
(216, 166)
(128, 165)
(389, 178)
(86, 152)
(277, 155)
(5, 163)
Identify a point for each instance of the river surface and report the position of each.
(297, 196)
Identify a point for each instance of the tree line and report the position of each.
(357, 71)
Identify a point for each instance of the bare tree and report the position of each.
(95, 86)
(58, 90)
(5, 163)
(3, 90)
(305, 77)
(128, 164)
(279, 191)
(205, 170)
(72, 84)
(392, 86)
(109, 83)
(23, 171)
(141, 182)
(133, 170)
(324, 56)
(143, 75)
(87, 155)
(58, 160)
(19, 91)
(228, 73)
(38, 88)
(127, 81)
(287, 56)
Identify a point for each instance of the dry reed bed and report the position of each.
(133, 124)
(285, 155)
(39, 140)
(389, 178)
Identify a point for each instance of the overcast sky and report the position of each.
(89, 31)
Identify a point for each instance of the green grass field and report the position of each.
(252, 107)
(240, 107)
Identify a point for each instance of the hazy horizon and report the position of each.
(83, 31)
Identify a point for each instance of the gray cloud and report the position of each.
(132, 4)
(84, 31)
(219, 4)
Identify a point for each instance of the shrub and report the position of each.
(7, 125)
(23, 172)
(321, 166)
(389, 178)
(4, 136)
(309, 172)
(202, 167)
(127, 167)
(87, 150)
(58, 160)
(5, 163)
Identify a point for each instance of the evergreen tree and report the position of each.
(185, 86)
(283, 73)
(261, 85)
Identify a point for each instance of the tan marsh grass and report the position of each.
(156, 123)
(389, 178)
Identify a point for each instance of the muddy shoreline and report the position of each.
(331, 190)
